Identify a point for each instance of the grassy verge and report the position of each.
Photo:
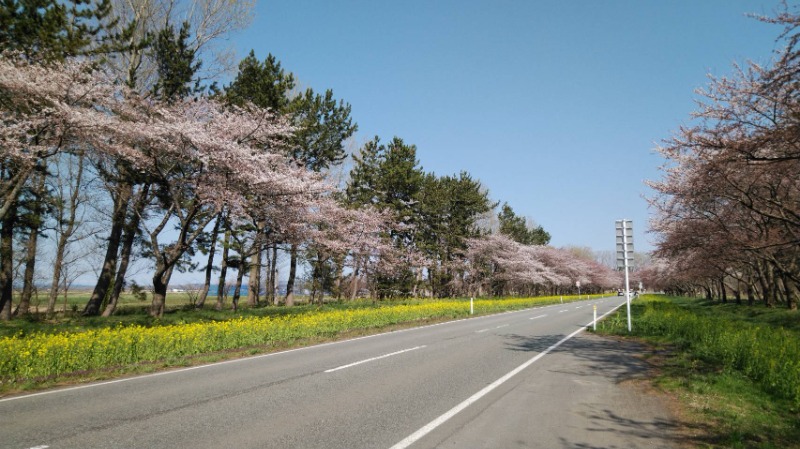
(734, 370)
(41, 354)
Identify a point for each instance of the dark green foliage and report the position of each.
(323, 126)
(450, 208)
(56, 30)
(176, 64)
(435, 215)
(360, 189)
(516, 228)
(388, 177)
(265, 84)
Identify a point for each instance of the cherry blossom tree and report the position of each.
(49, 110)
(729, 200)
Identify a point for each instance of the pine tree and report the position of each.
(323, 125)
(389, 178)
(265, 84)
(55, 30)
(176, 64)
(516, 228)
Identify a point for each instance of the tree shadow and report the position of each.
(619, 361)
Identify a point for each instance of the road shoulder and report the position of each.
(591, 392)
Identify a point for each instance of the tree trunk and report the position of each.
(66, 234)
(738, 292)
(254, 279)
(314, 280)
(201, 299)
(273, 285)
(112, 250)
(57, 267)
(354, 281)
(7, 262)
(267, 276)
(33, 237)
(238, 289)
(159, 294)
(12, 186)
(769, 281)
(337, 283)
(131, 228)
(223, 271)
(289, 300)
(23, 308)
(790, 292)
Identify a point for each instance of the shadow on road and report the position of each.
(609, 363)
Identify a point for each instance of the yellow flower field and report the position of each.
(39, 356)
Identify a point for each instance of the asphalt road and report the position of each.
(519, 379)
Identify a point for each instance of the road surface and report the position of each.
(521, 379)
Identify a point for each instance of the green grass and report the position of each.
(734, 369)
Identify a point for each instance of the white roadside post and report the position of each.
(625, 257)
(594, 321)
(471, 306)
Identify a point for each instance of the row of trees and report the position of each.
(728, 206)
(114, 131)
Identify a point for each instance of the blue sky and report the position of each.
(555, 106)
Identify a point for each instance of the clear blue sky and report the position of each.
(555, 106)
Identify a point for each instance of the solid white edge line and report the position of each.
(428, 428)
(373, 359)
(255, 357)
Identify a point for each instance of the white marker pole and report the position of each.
(471, 306)
(594, 322)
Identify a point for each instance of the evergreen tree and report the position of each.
(265, 84)
(450, 209)
(516, 228)
(323, 125)
(360, 189)
(176, 64)
(389, 178)
(55, 30)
